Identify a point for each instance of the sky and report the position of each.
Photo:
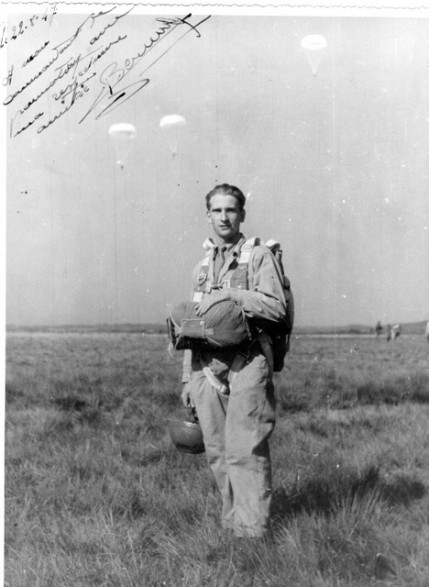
(334, 162)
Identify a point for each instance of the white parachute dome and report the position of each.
(172, 127)
(314, 46)
(123, 135)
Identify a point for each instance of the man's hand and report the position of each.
(185, 396)
(211, 300)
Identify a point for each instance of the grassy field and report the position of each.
(97, 495)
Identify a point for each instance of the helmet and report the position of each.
(187, 436)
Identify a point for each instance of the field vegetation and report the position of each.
(97, 495)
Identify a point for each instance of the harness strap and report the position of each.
(215, 381)
(239, 279)
(236, 366)
(247, 248)
(203, 284)
(273, 245)
(208, 244)
(197, 296)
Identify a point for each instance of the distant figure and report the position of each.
(395, 331)
(388, 332)
(427, 331)
(378, 328)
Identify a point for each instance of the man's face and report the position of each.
(225, 216)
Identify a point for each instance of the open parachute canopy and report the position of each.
(123, 135)
(172, 120)
(172, 127)
(313, 45)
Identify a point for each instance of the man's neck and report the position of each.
(222, 243)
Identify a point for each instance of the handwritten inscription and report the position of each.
(33, 56)
(17, 30)
(114, 73)
(7, 80)
(75, 68)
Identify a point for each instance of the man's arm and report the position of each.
(265, 297)
(187, 362)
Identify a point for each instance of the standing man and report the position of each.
(232, 388)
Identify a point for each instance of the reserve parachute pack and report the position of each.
(225, 324)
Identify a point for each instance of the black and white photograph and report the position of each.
(216, 295)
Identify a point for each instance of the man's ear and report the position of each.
(209, 218)
(243, 215)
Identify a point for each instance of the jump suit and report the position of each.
(237, 416)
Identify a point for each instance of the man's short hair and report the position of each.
(227, 190)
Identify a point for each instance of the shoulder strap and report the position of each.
(203, 285)
(273, 245)
(239, 278)
(208, 244)
(247, 248)
(276, 249)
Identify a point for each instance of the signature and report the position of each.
(68, 78)
(113, 74)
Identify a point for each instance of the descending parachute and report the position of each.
(314, 46)
(123, 135)
(172, 125)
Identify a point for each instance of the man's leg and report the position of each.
(249, 424)
(211, 408)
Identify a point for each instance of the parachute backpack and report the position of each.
(282, 333)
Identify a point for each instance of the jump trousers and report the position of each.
(236, 429)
